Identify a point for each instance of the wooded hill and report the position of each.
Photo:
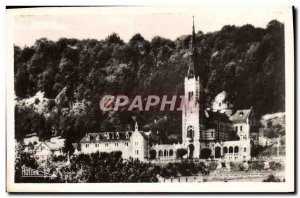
(245, 61)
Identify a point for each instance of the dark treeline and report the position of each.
(245, 61)
(103, 167)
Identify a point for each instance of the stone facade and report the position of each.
(132, 144)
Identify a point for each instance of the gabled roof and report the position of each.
(240, 115)
(51, 145)
(105, 136)
(54, 146)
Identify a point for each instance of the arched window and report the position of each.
(236, 128)
(236, 149)
(217, 152)
(190, 131)
(245, 149)
(171, 153)
(160, 153)
(225, 150)
(231, 149)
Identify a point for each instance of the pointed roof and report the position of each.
(240, 115)
(191, 70)
(103, 136)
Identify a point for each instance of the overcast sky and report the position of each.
(99, 23)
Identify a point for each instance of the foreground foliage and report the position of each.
(104, 167)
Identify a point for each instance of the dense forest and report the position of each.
(246, 61)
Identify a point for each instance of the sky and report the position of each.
(84, 23)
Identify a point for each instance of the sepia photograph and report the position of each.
(150, 99)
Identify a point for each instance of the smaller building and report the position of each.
(132, 144)
(47, 149)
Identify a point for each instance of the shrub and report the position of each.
(181, 152)
(271, 178)
(205, 153)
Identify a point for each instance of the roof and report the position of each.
(54, 146)
(107, 136)
(211, 115)
(50, 145)
(240, 115)
(222, 97)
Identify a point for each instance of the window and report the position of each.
(231, 149)
(241, 128)
(87, 145)
(116, 144)
(212, 134)
(136, 152)
(236, 128)
(106, 144)
(219, 104)
(126, 143)
(245, 149)
(225, 150)
(171, 153)
(236, 149)
(190, 95)
(97, 145)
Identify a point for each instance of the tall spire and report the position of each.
(191, 71)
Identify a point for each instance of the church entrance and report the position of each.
(217, 152)
(191, 149)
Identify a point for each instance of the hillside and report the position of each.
(245, 61)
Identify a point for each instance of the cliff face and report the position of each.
(245, 61)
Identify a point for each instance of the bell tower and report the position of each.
(191, 107)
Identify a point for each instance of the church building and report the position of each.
(219, 129)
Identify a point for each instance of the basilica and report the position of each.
(220, 130)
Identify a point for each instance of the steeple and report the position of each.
(191, 71)
(136, 126)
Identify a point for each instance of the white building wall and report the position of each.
(108, 146)
(138, 146)
(243, 130)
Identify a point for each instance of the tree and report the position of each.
(114, 38)
(205, 153)
(181, 152)
(152, 154)
(246, 61)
